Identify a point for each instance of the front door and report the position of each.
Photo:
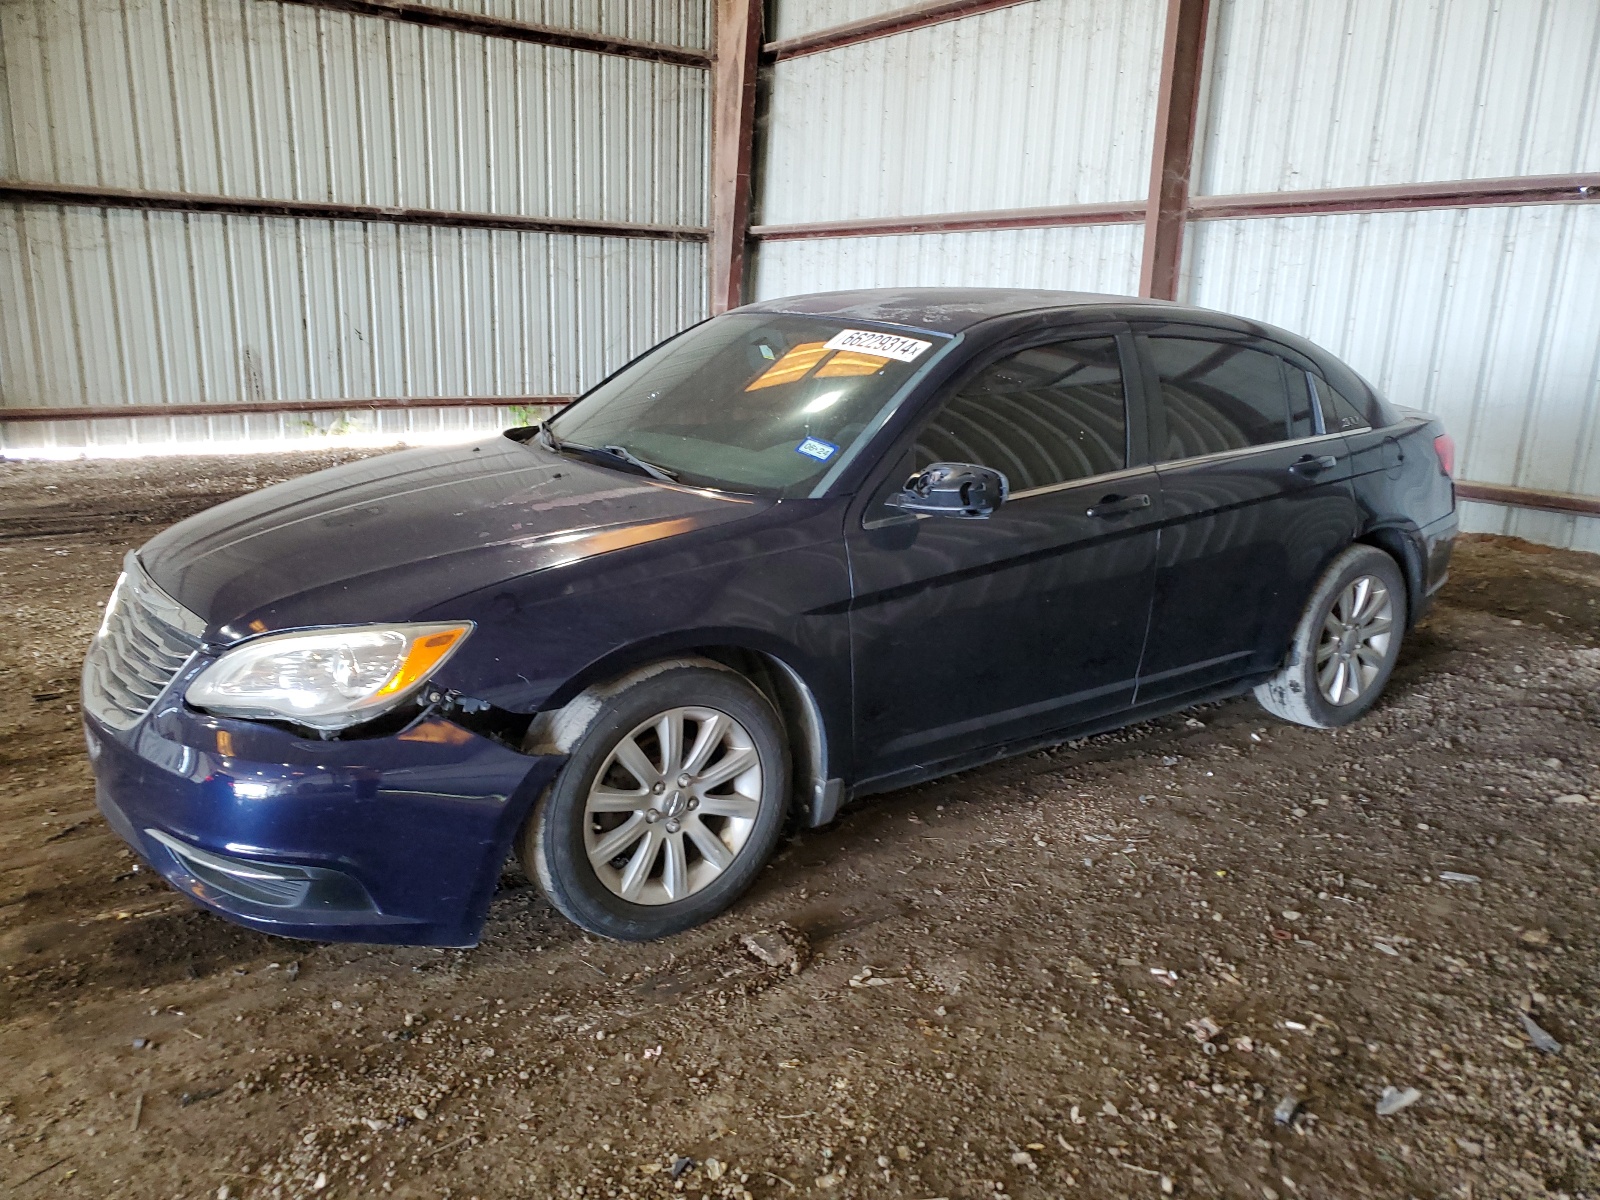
(1256, 501)
(968, 634)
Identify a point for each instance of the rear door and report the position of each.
(975, 633)
(1256, 500)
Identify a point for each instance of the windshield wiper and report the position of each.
(633, 460)
(621, 454)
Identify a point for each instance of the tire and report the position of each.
(680, 854)
(1337, 667)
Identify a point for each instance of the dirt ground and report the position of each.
(1094, 971)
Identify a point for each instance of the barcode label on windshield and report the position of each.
(883, 345)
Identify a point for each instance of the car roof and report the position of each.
(945, 310)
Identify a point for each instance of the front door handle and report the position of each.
(1313, 464)
(1116, 506)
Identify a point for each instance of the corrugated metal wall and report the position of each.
(1486, 316)
(792, 18)
(665, 22)
(1483, 315)
(1041, 104)
(1038, 105)
(1311, 94)
(256, 98)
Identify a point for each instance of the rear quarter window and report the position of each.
(1340, 414)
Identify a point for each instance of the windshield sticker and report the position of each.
(792, 366)
(884, 345)
(816, 448)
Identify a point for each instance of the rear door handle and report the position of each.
(1313, 464)
(1116, 506)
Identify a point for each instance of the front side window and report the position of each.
(764, 403)
(1221, 396)
(1046, 415)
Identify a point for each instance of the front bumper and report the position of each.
(396, 839)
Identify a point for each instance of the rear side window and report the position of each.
(1339, 412)
(1221, 396)
(1046, 415)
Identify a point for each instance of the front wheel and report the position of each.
(1346, 644)
(669, 804)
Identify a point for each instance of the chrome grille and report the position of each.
(145, 639)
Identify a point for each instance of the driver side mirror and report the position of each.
(953, 490)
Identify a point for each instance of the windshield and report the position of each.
(749, 402)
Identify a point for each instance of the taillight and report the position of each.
(1445, 447)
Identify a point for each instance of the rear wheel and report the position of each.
(1346, 644)
(670, 802)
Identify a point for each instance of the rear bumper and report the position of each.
(1438, 543)
(397, 839)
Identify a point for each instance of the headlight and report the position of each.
(326, 678)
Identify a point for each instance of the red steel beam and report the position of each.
(904, 20)
(1116, 213)
(733, 127)
(1177, 105)
(253, 206)
(1463, 193)
(118, 412)
(1517, 497)
(1453, 193)
(434, 17)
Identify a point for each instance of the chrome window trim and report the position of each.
(1084, 481)
(1222, 455)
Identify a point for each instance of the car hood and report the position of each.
(389, 537)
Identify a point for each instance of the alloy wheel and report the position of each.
(1355, 640)
(673, 805)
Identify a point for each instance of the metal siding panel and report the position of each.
(271, 143)
(68, 96)
(1369, 92)
(21, 38)
(256, 368)
(1041, 104)
(374, 99)
(793, 18)
(665, 22)
(107, 84)
(1097, 258)
(143, 307)
(1484, 316)
(8, 141)
(586, 127)
(19, 364)
(283, 100)
(251, 98)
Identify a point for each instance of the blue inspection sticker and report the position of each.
(816, 448)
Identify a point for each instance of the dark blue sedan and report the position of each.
(805, 551)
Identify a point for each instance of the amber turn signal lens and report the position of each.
(425, 654)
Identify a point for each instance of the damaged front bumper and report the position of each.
(396, 839)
